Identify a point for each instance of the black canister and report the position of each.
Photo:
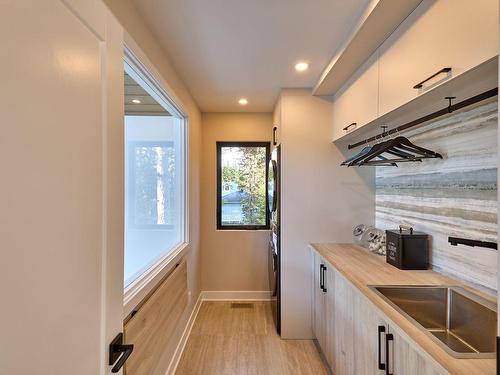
(407, 249)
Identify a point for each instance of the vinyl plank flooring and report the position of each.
(240, 338)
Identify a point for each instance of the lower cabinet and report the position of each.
(354, 336)
(319, 301)
(404, 359)
(358, 345)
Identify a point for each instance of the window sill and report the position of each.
(135, 293)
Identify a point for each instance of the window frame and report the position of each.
(139, 67)
(219, 146)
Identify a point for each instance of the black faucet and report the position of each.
(454, 241)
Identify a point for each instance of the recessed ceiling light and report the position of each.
(243, 101)
(136, 101)
(301, 66)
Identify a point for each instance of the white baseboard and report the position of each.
(172, 367)
(236, 295)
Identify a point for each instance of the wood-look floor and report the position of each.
(241, 339)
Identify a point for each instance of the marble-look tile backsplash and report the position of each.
(456, 196)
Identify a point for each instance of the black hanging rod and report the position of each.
(451, 108)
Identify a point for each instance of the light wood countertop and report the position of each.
(363, 268)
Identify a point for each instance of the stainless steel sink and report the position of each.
(461, 322)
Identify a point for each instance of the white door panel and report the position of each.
(55, 231)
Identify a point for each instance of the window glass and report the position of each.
(154, 183)
(242, 182)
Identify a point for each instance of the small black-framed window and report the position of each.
(242, 174)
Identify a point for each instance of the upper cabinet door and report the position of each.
(456, 34)
(356, 104)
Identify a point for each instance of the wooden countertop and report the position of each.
(363, 268)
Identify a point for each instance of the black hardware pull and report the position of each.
(381, 366)
(324, 287)
(274, 136)
(321, 276)
(388, 337)
(348, 126)
(117, 348)
(421, 84)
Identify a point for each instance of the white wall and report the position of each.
(231, 260)
(320, 201)
(140, 34)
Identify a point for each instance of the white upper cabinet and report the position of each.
(456, 34)
(356, 104)
(448, 36)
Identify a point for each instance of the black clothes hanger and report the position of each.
(400, 147)
(360, 157)
(419, 153)
(364, 151)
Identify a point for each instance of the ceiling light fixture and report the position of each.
(243, 101)
(136, 101)
(301, 66)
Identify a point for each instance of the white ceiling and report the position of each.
(227, 49)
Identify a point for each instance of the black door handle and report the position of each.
(388, 337)
(119, 351)
(274, 136)
(381, 366)
(421, 84)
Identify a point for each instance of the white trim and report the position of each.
(174, 362)
(236, 295)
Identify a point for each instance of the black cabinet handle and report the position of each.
(381, 366)
(274, 136)
(421, 84)
(323, 273)
(117, 348)
(321, 276)
(388, 337)
(348, 126)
